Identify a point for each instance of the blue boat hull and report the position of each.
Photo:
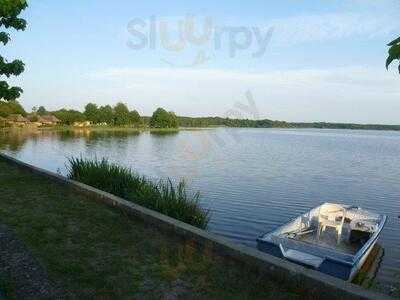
(328, 266)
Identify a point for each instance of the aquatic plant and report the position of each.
(163, 195)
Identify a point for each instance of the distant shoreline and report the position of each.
(365, 127)
(266, 123)
(371, 127)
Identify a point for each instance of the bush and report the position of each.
(162, 196)
(163, 119)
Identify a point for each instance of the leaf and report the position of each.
(394, 53)
(13, 22)
(394, 42)
(9, 93)
(4, 37)
(14, 68)
(389, 60)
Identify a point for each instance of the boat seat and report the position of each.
(302, 257)
(333, 217)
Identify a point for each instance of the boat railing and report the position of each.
(315, 249)
(372, 240)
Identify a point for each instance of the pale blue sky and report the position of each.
(324, 61)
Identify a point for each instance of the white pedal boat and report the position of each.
(332, 238)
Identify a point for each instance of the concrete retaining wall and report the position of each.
(317, 285)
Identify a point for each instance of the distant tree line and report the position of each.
(266, 123)
(228, 122)
(121, 116)
(118, 115)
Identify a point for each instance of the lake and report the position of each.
(252, 180)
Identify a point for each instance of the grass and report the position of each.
(162, 196)
(94, 251)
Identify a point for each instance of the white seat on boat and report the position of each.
(329, 217)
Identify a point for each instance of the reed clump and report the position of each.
(163, 196)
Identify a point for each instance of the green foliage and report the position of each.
(8, 93)
(162, 196)
(228, 122)
(4, 38)
(68, 117)
(14, 68)
(163, 119)
(394, 52)
(9, 12)
(134, 118)
(106, 115)
(33, 118)
(4, 109)
(11, 107)
(91, 113)
(42, 111)
(121, 114)
(173, 119)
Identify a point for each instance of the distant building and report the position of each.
(82, 124)
(48, 120)
(17, 119)
(32, 117)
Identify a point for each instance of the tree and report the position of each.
(121, 114)
(5, 110)
(394, 52)
(69, 117)
(134, 118)
(41, 111)
(9, 12)
(33, 117)
(11, 107)
(163, 119)
(106, 115)
(91, 113)
(173, 120)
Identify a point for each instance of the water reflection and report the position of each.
(164, 133)
(14, 139)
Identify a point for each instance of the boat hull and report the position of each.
(329, 266)
(333, 259)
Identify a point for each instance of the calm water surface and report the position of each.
(253, 180)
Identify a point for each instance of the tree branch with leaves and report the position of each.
(394, 52)
(9, 12)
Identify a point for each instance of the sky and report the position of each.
(283, 60)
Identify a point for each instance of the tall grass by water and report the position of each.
(163, 195)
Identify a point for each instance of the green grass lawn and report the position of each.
(94, 251)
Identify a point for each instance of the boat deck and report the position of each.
(329, 240)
